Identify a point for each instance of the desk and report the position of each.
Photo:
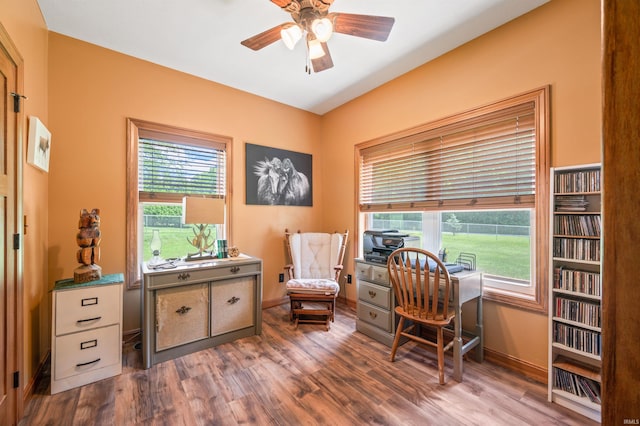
(377, 319)
(467, 286)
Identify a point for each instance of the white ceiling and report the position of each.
(202, 38)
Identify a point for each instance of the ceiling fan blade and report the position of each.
(285, 3)
(324, 62)
(366, 26)
(281, 3)
(263, 39)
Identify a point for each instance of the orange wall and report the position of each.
(27, 29)
(556, 44)
(92, 92)
(83, 94)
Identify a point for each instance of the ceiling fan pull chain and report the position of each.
(307, 65)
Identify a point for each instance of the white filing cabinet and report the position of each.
(86, 340)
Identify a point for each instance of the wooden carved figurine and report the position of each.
(88, 238)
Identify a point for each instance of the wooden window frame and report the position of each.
(136, 128)
(538, 301)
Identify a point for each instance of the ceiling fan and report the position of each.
(313, 20)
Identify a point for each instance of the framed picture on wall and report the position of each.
(39, 146)
(278, 177)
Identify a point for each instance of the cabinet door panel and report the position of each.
(182, 315)
(233, 305)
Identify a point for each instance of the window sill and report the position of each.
(534, 303)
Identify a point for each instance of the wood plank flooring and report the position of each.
(301, 377)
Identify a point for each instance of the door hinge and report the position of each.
(16, 241)
(16, 379)
(16, 101)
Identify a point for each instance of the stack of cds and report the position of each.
(571, 203)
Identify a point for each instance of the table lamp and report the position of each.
(202, 212)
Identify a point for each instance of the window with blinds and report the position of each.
(164, 164)
(489, 165)
(486, 160)
(179, 168)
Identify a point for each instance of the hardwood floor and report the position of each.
(305, 376)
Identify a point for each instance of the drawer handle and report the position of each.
(88, 344)
(89, 319)
(372, 294)
(233, 300)
(183, 310)
(82, 364)
(89, 301)
(373, 315)
(184, 276)
(235, 269)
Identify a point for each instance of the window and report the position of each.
(474, 184)
(164, 165)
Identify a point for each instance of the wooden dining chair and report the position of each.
(422, 287)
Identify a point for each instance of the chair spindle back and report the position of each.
(419, 291)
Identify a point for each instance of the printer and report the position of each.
(379, 244)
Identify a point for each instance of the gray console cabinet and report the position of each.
(198, 305)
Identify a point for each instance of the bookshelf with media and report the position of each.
(575, 295)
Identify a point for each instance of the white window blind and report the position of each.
(488, 160)
(180, 168)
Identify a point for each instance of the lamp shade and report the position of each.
(322, 28)
(290, 35)
(315, 49)
(199, 210)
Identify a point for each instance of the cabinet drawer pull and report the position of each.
(373, 315)
(89, 319)
(88, 344)
(82, 364)
(89, 301)
(184, 276)
(233, 300)
(235, 269)
(372, 294)
(183, 310)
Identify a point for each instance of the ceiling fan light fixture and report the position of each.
(322, 29)
(290, 35)
(315, 49)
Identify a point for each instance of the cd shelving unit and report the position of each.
(575, 310)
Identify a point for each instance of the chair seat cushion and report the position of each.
(313, 285)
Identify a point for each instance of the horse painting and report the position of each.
(280, 183)
(294, 186)
(268, 172)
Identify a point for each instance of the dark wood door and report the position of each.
(10, 181)
(621, 198)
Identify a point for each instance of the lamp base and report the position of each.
(205, 255)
